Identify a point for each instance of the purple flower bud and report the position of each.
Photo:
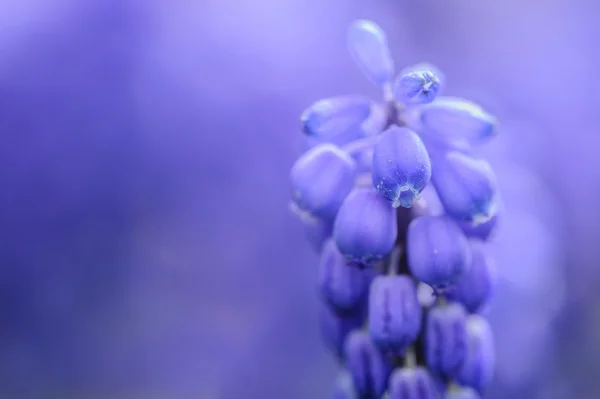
(369, 368)
(477, 367)
(401, 166)
(451, 120)
(446, 338)
(350, 138)
(335, 326)
(344, 386)
(429, 204)
(438, 253)
(317, 231)
(321, 179)
(462, 393)
(475, 287)
(466, 186)
(416, 86)
(365, 228)
(341, 284)
(332, 117)
(394, 313)
(368, 46)
(412, 383)
(426, 66)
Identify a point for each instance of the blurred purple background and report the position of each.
(147, 249)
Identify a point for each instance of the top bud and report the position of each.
(416, 86)
(368, 46)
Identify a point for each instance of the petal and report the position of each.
(332, 117)
(466, 187)
(365, 228)
(475, 287)
(394, 313)
(446, 338)
(438, 253)
(478, 366)
(401, 166)
(368, 46)
(455, 120)
(321, 179)
(342, 285)
(370, 370)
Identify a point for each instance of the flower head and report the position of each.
(364, 193)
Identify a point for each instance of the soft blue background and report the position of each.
(146, 247)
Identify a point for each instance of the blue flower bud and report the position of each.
(477, 367)
(342, 285)
(451, 119)
(430, 204)
(344, 386)
(368, 46)
(371, 126)
(365, 227)
(466, 187)
(426, 66)
(438, 252)
(446, 338)
(475, 287)
(462, 393)
(332, 117)
(401, 166)
(317, 231)
(394, 313)
(335, 326)
(321, 179)
(416, 86)
(412, 383)
(369, 368)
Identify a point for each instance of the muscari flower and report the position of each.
(438, 251)
(394, 313)
(321, 179)
(365, 228)
(394, 137)
(446, 338)
(367, 161)
(401, 166)
(475, 287)
(341, 284)
(369, 368)
(477, 367)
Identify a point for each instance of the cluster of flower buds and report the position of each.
(399, 209)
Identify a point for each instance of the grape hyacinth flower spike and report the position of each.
(358, 191)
